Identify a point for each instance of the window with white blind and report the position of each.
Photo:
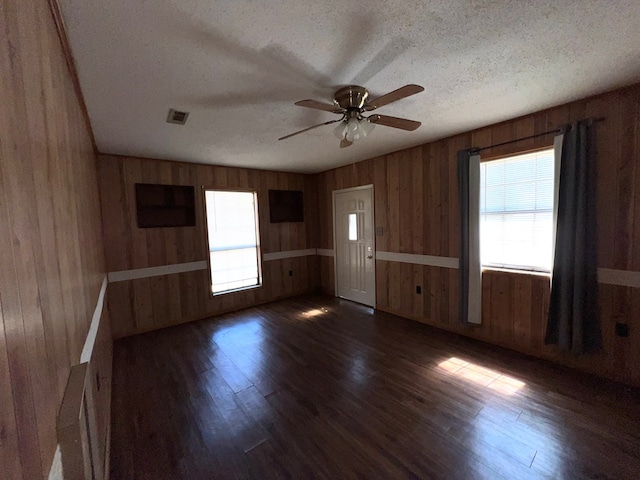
(232, 224)
(516, 211)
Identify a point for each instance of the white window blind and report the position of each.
(516, 211)
(233, 240)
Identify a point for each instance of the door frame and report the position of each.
(373, 229)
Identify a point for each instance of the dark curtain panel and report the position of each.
(470, 292)
(573, 312)
(463, 197)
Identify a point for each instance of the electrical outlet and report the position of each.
(419, 290)
(622, 329)
(291, 273)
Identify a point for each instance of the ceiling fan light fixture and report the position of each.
(353, 129)
(340, 131)
(366, 127)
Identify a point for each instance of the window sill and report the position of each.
(235, 290)
(532, 273)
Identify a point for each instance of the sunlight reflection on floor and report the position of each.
(246, 331)
(482, 375)
(314, 312)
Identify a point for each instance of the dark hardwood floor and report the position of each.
(315, 387)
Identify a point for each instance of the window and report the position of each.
(233, 240)
(353, 227)
(516, 211)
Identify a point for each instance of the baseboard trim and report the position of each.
(156, 271)
(623, 278)
(429, 260)
(55, 472)
(124, 275)
(87, 350)
(267, 257)
(607, 276)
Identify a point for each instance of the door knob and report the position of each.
(369, 257)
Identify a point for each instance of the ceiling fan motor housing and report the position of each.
(352, 97)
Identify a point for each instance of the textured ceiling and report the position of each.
(238, 66)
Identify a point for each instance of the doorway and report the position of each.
(353, 228)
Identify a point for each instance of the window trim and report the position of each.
(256, 196)
(514, 268)
(517, 271)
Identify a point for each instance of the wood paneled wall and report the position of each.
(150, 303)
(416, 204)
(51, 253)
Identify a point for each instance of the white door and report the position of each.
(354, 240)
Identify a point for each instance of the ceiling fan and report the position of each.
(351, 103)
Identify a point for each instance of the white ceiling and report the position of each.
(238, 66)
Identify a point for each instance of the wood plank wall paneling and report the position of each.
(416, 206)
(149, 303)
(51, 253)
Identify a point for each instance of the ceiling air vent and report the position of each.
(179, 118)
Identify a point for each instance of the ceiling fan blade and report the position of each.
(394, 122)
(310, 128)
(319, 106)
(344, 143)
(398, 94)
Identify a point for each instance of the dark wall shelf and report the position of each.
(165, 205)
(286, 206)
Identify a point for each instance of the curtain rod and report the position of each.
(561, 129)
